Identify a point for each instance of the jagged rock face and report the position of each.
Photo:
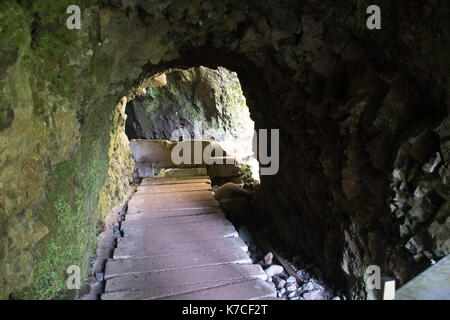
(211, 98)
(421, 202)
(344, 98)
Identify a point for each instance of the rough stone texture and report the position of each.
(212, 97)
(64, 157)
(235, 202)
(230, 190)
(421, 201)
(345, 99)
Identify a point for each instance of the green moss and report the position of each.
(14, 31)
(63, 251)
(52, 38)
(35, 41)
(79, 195)
(72, 199)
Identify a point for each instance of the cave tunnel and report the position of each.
(205, 104)
(363, 177)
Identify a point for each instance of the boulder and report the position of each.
(230, 190)
(314, 295)
(268, 258)
(273, 270)
(224, 170)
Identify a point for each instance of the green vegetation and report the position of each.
(35, 33)
(73, 198)
(52, 39)
(14, 31)
(211, 97)
(81, 192)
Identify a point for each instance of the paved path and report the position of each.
(177, 244)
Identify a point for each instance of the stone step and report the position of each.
(146, 239)
(188, 228)
(172, 213)
(177, 261)
(155, 293)
(168, 178)
(197, 247)
(165, 283)
(177, 244)
(174, 181)
(243, 290)
(181, 172)
(147, 219)
(173, 188)
(170, 197)
(175, 178)
(165, 205)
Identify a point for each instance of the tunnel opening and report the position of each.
(209, 104)
(203, 104)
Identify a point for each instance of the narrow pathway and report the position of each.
(177, 244)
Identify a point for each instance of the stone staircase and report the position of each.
(177, 244)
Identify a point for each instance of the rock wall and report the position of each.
(212, 98)
(422, 199)
(344, 98)
(64, 155)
